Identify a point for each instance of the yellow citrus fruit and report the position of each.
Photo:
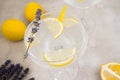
(31, 9)
(55, 26)
(13, 29)
(60, 58)
(110, 71)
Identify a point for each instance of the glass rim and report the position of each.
(83, 45)
(83, 7)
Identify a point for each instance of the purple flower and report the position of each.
(34, 30)
(30, 39)
(38, 18)
(36, 23)
(38, 12)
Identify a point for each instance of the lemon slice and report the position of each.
(55, 26)
(60, 58)
(110, 71)
(68, 22)
(62, 14)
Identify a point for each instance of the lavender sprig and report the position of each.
(36, 24)
(34, 30)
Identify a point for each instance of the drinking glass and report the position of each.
(82, 3)
(83, 10)
(73, 37)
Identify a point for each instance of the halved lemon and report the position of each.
(60, 58)
(110, 71)
(55, 26)
(68, 22)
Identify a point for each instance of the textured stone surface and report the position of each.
(102, 26)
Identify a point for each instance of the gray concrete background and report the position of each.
(103, 28)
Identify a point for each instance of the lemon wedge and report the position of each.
(110, 71)
(55, 26)
(60, 58)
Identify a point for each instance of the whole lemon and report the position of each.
(31, 9)
(13, 29)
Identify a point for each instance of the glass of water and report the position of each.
(59, 56)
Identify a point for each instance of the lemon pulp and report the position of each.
(110, 71)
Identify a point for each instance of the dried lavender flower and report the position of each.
(34, 30)
(36, 24)
(38, 12)
(30, 39)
